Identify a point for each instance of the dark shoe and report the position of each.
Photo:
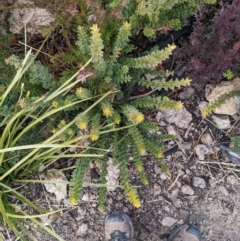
(118, 227)
(185, 232)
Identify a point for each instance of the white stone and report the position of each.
(125, 209)
(186, 189)
(59, 185)
(187, 93)
(47, 220)
(157, 169)
(231, 180)
(156, 189)
(169, 221)
(223, 190)
(180, 118)
(31, 16)
(159, 116)
(207, 139)
(163, 176)
(222, 122)
(174, 193)
(85, 197)
(199, 182)
(82, 229)
(81, 212)
(171, 130)
(231, 106)
(202, 105)
(201, 150)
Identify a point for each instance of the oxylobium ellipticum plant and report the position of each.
(104, 33)
(118, 70)
(22, 152)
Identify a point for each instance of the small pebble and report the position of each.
(212, 182)
(169, 221)
(202, 105)
(187, 93)
(180, 172)
(92, 196)
(223, 190)
(163, 176)
(201, 150)
(187, 146)
(90, 230)
(177, 203)
(119, 197)
(231, 180)
(171, 130)
(207, 139)
(82, 229)
(199, 182)
(156, 189)
(183, 213)
(186, 189)
(125, 209)
(157, 169)
(179, 184)
(167, 209)
(85, 197)
(222, 121)
(159, 116)
(81, 212)
(162, 123)
(66, 202)
(174, 193)
(180, 222)
(193, 198)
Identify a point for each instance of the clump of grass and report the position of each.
(21, 153)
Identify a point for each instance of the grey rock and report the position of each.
(82, 229)
(199, 182)
(223, 190)
(85, 197)
(156, 189)
(174, 193)
(169, 221)
(177, 203)
(31, 16)
(186, 189)
(163, 176)
(231, 180)
(180, 118)
(157, 169)
(187, 93)
(202, 105)
(183, 213)
(207, 139)
(231, 106)
(201, 150)
(222, 121)
(125, 209)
